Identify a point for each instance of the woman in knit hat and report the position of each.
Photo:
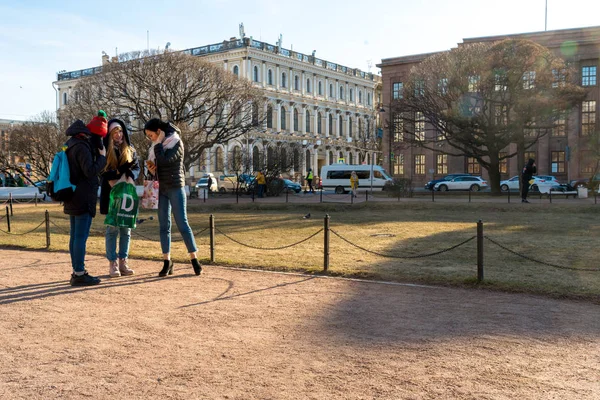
(121, 159)
(166, 163)
(84, 168)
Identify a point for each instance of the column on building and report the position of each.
(326, 88)
(314, 86)
(347, 93)
(225, 65)
(249, 69)
(290, 117)
(264, 74)
(316, 121)
(243, 66)
(277, 77)
(208, 160)
(291, 80)
(302, 117)
(347, 124)
(277, 116)
(225, 159)
(303, 84)
(315, 163)
(337, 89)
(265, 107)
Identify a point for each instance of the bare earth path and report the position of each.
(233, 334)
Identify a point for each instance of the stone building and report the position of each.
(561, 153)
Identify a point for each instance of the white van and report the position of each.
(337, 177)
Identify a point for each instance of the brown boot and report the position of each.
(124, 268)
(113, 269)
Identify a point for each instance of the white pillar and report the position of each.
(326, 88)
(249, 70)
(303, 84)
(264, 74)
(327, 124)
(316, 122)
(277, 110)
(302, 116)
(291, 80)
(314, 86)
(225, 65)
(337, 90)
(347, 125)
(277, 77)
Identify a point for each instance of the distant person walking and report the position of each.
(261, 183)
(528, 171)
(166, 163)
(309, 180)
(353, 183)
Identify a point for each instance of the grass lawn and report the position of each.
(565, 235)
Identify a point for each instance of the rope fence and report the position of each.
(326, 230)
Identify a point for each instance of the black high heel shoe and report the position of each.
(197, 266)
(167, 268)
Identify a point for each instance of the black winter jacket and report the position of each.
(169, 167)
(529, 170)
(107, 176)
(84, 169)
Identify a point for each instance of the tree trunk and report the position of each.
(494, 175)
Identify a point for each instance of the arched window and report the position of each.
(330, 124)
(256, 164)
(64, 98)
(359, 97)
(236, 70)
(283, 122)
(319, 123)
(331, 94)
(256, 74)
(341, 93)
(269, 117)
(351, 95)
(219, 159)
(270, 77)
(341, 130)
(350, 127)
(296, 160)
(308, 85)
(320, 92)
(270, 158)
(237, 161)
(254, 114)
(283, 160)
(295, 120)
(369, 98)
(296, 83)
(307, 122)
(283, 80)
(331, 160)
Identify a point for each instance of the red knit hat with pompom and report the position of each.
(99, 124)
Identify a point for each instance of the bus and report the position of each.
(337, 177)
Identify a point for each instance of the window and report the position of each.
(529, 80)
(341, 93)
(296, 83)
(399, 164)
(587, 162)
(420, 164)
(295, 120)
(398, 128)
(588, 117)
(360, 128)
(283, 80)
(331, 94)
(500, 115)
(270, 77)
(419, 126)
(320, 92)
(500, 82)
(588, 76)
(559, 77)
(319, 123)
(473, 83)
(360, 97)
(269, 117)
(557, 162)
(256, 75)
(397, 88)
(419, 88)
(503, 166)
(282, 118)
(219, 159)
(256, 164)
(341, 130)
(236, 70)
(330, 124)
(558, 129)
(331, 160)
(527, 155)
(350, 127)
(308, 85)
(351, 95)
(64, 98)
(441, 165)
(307, 121)
(473, 166)
(369, 98)
(442, 127)
(443, 86)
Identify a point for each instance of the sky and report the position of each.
(38, 38)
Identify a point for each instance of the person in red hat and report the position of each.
(85, 164)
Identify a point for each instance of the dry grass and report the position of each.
(560, 234)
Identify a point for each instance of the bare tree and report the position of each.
(209, 105)
(478, 98)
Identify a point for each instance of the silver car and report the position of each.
(472, 183)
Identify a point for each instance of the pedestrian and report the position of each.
(261, 183)
(84, 168)
(528, 171)
(209, 184)
(166, 163)
(309, 180)
(121, 160)
(354, 183)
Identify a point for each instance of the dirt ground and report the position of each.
(237, 334)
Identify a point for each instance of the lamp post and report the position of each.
(390, 154)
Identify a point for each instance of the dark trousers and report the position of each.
(310, 186)
(525, 189)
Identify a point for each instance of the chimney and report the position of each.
(104, 58)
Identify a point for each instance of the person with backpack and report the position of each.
(528, 172)
(85, 164)
(121, 160)
(166, 163)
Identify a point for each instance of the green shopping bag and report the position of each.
(123, 206)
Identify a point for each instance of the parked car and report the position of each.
(541, 183)
(429, 185)
(203, 183)
(290, 186)
(585, 182)
(472, 183)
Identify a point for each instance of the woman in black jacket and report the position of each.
(84, 168)
(166, 163)
(121, 159)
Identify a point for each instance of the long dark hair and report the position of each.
(167, 127)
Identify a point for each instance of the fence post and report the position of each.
(550, 195)
(326, 243)
(8, 219)
(204, 194)
(479, 251)
(10, 202)
(47, 218)
(211, 223)
(321, 196)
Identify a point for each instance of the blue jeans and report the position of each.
(174, 199)
(80, 230)
(111, 242)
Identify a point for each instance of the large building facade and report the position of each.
(562, 153)
(327, 108)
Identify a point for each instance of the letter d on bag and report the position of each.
(128, 202)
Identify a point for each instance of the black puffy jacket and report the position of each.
(84, 168)
(169, 167)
